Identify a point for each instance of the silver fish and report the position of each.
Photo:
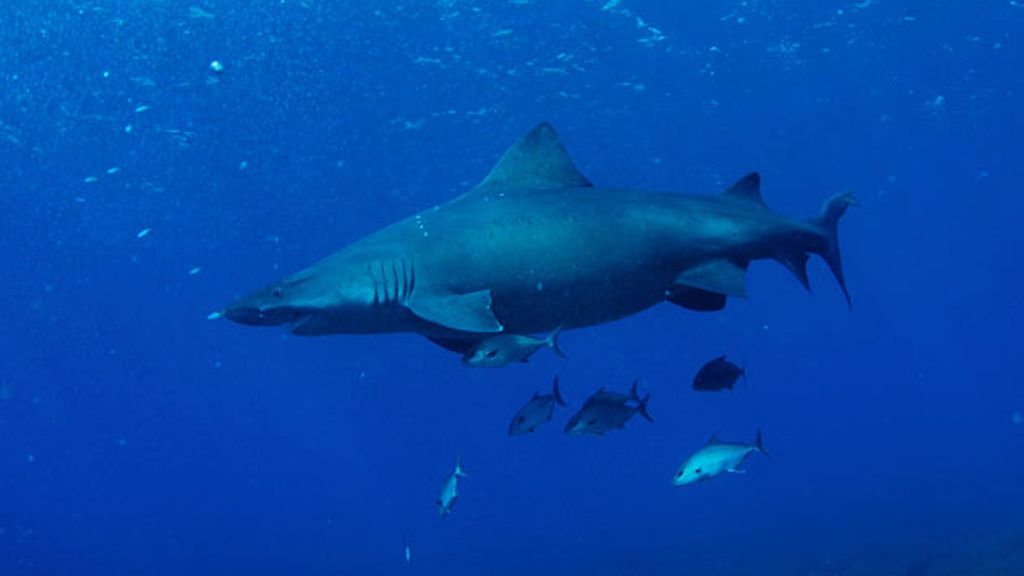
(536, 411)
(714, 459)
(605, 411)
(450, 491)
(508, 348)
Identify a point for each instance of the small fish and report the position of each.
(450, 491)
(715, 458)
(536, 411)
(507, 348)
(408, 555)
(605, 411)
(718, 374)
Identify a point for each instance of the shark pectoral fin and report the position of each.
(465, 312)
(720, 276)
(696, 299)
(736, 470)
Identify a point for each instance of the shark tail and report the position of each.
(460, 472)
(828, 222)
(556, 393)
(552, 342)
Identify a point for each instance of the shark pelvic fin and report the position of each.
(465, 312)
(719, 276)
(538, 161)
(747, 188)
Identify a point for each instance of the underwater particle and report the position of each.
(143, 233)
(90, 180)
(1018, 419)
(195, 270)
(610, 4)
(197, 13)
(142, 108)
(216, 66)
(31, 458)
(408, 555)
(214, 315)
(113, 170)
(106, 73)
(243, 165)
(128, 129)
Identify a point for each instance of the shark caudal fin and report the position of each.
(828, 221)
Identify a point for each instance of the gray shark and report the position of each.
(534, 247)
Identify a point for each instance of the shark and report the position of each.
(536, 247)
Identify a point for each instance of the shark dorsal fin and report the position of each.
(538, 161)
(747, 188)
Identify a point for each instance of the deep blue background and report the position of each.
(137, 437)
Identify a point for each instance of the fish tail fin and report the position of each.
(642, 409)
(641, 402)
(828, 222)
(552, 342)
(759, 443)
(460, 472)
(557, 393)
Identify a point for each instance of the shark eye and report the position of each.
(697, 471)
(277, 292)
(491, 353)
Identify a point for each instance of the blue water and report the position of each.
(138, 437)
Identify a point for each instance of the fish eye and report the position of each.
(697, 471)
(491, 353)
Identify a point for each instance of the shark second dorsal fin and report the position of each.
(747, 188)
(538, 161)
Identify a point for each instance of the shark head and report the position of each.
(306, 303)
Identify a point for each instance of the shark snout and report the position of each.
(264, 308)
